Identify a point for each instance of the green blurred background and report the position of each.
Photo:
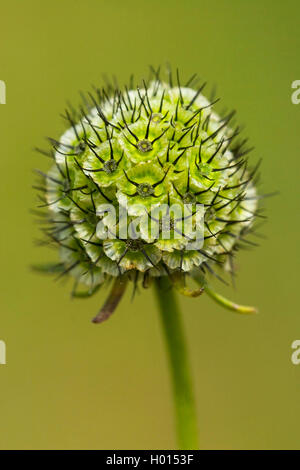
(71, 384)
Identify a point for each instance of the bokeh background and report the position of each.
(69, 384)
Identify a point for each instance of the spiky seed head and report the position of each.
(141, 151)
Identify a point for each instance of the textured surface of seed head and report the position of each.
(138, 149)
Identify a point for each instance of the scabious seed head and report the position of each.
(124, 174)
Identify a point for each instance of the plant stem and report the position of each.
(220, 299)
(185, 409)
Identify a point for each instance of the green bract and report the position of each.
(127, 157)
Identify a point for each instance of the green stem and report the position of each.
(220, 299)
(186, 420)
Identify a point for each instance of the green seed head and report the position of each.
(143, 151)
